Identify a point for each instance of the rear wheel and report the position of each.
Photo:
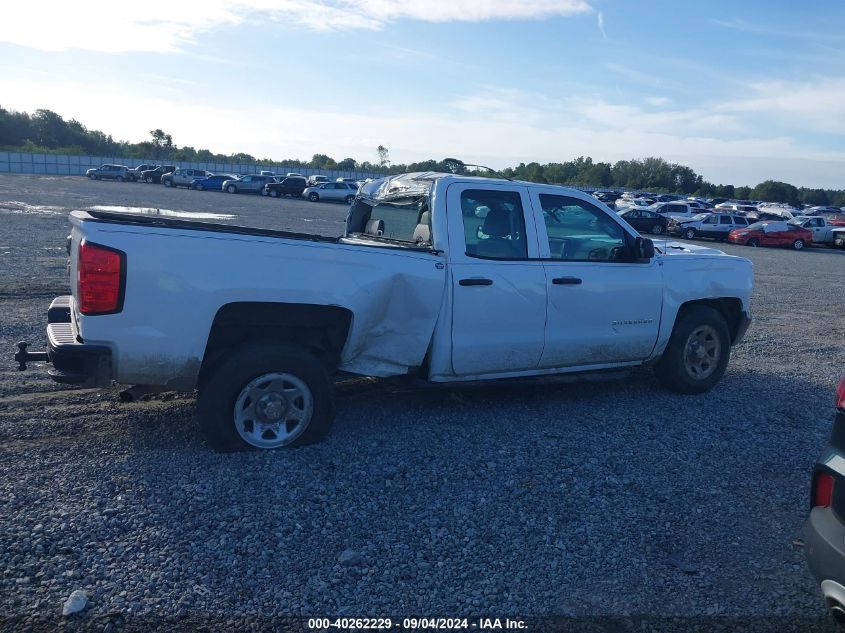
(657, 229)
(148, 179)
(753, 242)
(798, 245)
(232, 189)
(698, 351)
(313, 196)
(120, 179)
(266, 395)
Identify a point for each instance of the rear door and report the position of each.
(602, 308)
(498, 283)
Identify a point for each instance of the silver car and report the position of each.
(183, 177)
(334, 191)
(713, 225)
(247, 184)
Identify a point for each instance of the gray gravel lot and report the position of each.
(612, 498)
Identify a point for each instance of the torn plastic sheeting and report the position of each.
(414, 184)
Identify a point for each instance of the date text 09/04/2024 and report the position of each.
(480, 624)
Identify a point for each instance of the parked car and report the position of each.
(822, 230)
(772, 233)
(680, 210)
(713, 225)
(291, 186)
(136, 172)
(350, 181)
(246, 184)
(332, 191)
(214, 182)
(154, 175)
(292, 174)
(259, 320)
(317, 179)
(824, 531)
(646, 221)
(183, 177)
(265, 172)
(623, 204)
(109, 172)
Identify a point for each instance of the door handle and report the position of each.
(566, 281)
(476, 281)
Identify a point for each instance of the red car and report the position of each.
(772, 233)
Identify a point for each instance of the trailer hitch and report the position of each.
(23, 356)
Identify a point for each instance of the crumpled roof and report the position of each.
(401, 186)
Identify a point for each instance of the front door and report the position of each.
(498, 282)
(603, 308)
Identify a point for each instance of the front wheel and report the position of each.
(689, 234)
(232, 189)
(798, 245)
(266, 395)
(313, 197)
(698, 351)
(200, 187)
(753, 242)
(148, 179)
(274, 193)
(350, 199)
(120, 179)
(168, 183)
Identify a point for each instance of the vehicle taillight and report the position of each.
(101, 275)
(822, 492)
(840, 395)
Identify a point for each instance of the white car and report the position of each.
(331, 191)
(423, 284)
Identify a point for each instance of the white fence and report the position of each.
(63, 165)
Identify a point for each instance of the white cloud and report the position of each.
(58, 25)
(502, 129)
(658, 101)
(600, 22)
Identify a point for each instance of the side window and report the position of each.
(740, 221)
(579, 231)
(725, 219)
(494, 224)
(246, 179)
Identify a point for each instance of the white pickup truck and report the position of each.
(823, 231)
(445, 278)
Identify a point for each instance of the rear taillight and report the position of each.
(840, 395)
(821, 495)
(101, 272)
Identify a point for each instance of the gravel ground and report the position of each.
(603, 499)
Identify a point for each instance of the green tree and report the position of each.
(383, 156)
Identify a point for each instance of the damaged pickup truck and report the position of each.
(441, 277)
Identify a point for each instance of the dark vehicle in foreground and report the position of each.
(154, 175)
(824, 532)
(246, 184)
(109, 172)
(646, 221)
(213, 182)
(290, 186)
(772, 233)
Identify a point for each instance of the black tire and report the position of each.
(689, 234)
(95, 176)
(313, 196)
(232, 189)
(350, 199)
(148, 179)
(753, 242)
(200, 187)
(216, 401)
(798, 245)
(657, 229)
(120, 179)
(168, 183)
(672, 370)
(274, 193)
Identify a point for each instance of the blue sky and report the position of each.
(740, 91)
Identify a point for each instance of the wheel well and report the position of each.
(320, 329)
(729, 307)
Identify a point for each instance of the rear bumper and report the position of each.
(824, 542)
(74, 362)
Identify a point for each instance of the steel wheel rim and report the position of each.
(273, 410)
(702, 352)
(798, 245)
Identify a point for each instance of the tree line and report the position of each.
(46, 132)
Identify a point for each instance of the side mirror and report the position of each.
(643, 248)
